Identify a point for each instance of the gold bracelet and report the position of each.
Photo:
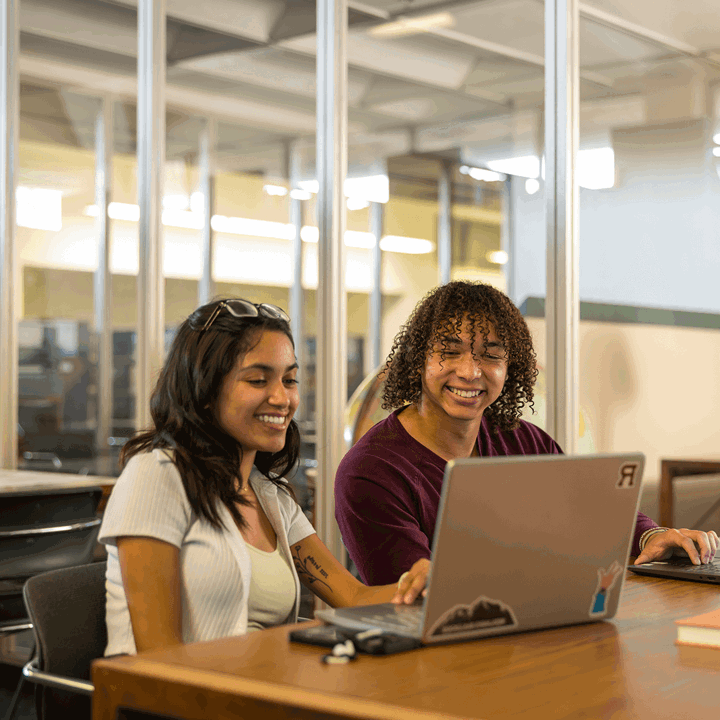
(645, 537)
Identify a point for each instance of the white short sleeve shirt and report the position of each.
(149, 500)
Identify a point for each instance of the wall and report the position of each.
(648, 388)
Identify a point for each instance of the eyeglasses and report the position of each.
(245, 308)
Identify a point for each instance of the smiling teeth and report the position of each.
(274, 419)
(465, 393)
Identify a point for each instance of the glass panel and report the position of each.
(649, 254)
(57, 252)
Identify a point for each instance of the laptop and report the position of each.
(679, 567)
(521, 543)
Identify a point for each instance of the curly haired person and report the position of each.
(458, 376)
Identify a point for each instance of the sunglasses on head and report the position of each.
(245, 308)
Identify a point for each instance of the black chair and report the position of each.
(39, 531)
(67, 610)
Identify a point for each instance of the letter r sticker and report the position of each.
(628, 473)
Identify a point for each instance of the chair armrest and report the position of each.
(32, 672)
(67, 527)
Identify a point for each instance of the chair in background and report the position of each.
(41, 531)
(67, 610)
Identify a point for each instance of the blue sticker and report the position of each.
(606, 581)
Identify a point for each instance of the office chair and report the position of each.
(67, 610)
(41, 531)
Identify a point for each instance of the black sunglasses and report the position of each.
(245, 308)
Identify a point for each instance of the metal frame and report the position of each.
(375, 325)
(444, 231)
(150, 160)
(331, 165)
(102, 280)
(9, 287)
(206, 285)
(32, 672)
(292, 162)
(562, 307)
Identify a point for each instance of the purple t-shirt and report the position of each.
(387, 492)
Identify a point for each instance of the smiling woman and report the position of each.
(201, 523)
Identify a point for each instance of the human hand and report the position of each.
(412, 583)
(700, 546)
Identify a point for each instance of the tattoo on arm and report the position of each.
(308, 570)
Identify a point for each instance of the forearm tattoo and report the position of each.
(308, 570)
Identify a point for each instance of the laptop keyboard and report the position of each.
(710, 569)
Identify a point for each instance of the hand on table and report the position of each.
(412, 583)
(700, 546)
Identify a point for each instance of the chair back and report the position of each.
(67, 610)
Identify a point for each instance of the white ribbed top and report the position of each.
(272, 589)
(149, 500)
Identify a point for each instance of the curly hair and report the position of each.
(183, 412)
(448, 307)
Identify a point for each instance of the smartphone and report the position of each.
(324, 635)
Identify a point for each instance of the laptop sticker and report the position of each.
(629, 473)
(467, 620)
(606, 580)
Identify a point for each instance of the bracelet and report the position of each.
(645, 537)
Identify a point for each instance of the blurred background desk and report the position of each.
(627, 668)
(16, 481)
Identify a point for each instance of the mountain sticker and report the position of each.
(467, 620)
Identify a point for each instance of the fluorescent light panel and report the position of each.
(265, 228)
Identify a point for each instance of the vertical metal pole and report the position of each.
(507, 236)
(206, 286)
(376, 228)
(9, 114)
(444, 224)
(562, 307)
(103, 281)
(331, 361)
(297, 295)
(151, 159)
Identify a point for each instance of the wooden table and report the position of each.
(626, 668)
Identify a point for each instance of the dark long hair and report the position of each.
(183, 405)
(446, 307)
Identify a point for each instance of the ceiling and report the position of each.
(471, 84)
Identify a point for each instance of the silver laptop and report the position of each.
(521, 543)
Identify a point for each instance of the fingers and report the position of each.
(700, 546)
(412, 583)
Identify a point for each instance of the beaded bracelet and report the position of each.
(645, 537)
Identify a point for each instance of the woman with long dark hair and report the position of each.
(204, 536)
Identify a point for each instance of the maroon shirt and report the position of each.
(387, 492)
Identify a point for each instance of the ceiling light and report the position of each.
(357, 204)
(525, 166)
(411, 246)
(298, 194)
(497, 257)
(412, 25)
(486, 175)
(277, 190)
(716, 138)
(716, 151)
(596, 168)
(38, 208)
(531, 186)
(248, 227)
